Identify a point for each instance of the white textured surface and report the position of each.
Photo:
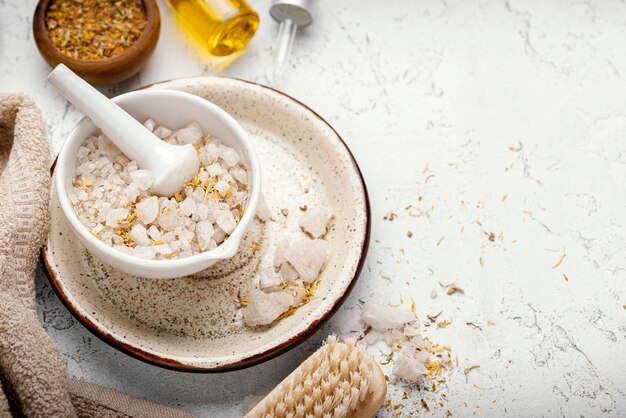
(450, 85)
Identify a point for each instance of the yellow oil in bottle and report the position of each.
(224, 26)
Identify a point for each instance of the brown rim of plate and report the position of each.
(258, 358)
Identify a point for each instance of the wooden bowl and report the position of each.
(107, 70)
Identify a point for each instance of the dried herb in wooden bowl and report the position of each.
(95, 29)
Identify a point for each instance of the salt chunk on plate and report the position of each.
(263, 308)
(148, 209)
(409, 368)
(142, 178)
(163, 249)
(298, 292)
(240, 174)
(191, 134)
(279, 254)
(263, 212)
(381, 317)
(315, 221)
(269, 281)
(307, 257)
(288, 273)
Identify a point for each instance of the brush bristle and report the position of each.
(329, 384)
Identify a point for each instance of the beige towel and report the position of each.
(33, 378)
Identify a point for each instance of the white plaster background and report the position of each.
(518, 98)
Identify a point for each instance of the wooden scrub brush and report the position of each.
(338, 380)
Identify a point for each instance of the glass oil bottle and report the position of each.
(223, 26)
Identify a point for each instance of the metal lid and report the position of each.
(300, 11)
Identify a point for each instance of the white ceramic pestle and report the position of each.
(171, 165)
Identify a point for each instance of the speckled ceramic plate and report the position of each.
(193, 323)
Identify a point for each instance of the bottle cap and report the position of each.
(299, 11)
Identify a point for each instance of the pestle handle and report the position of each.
(171, 165)
(128, 134)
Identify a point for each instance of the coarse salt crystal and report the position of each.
(214, 170)
(307, 257)
(228, 155)
(263, 212)
(154, 233)
(191, 134)
(162, 132)
(409, 368)
(222, 187)
(148, 209)
(269, 281)
(115, 215)
(139, 235)
(150, 124)
(226, 222)
(166, 227)
(315, 221)
(383, 317)
(142, 178)
(263, 308)
(132, 192)
(219, 235)
(240, 174)
(279, 254)
(288, 273)
(188, 207)
(205, 231)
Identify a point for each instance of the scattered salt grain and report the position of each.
(381, 317)
(409, 368)
(114, 216)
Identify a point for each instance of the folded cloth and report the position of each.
(33, 377)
